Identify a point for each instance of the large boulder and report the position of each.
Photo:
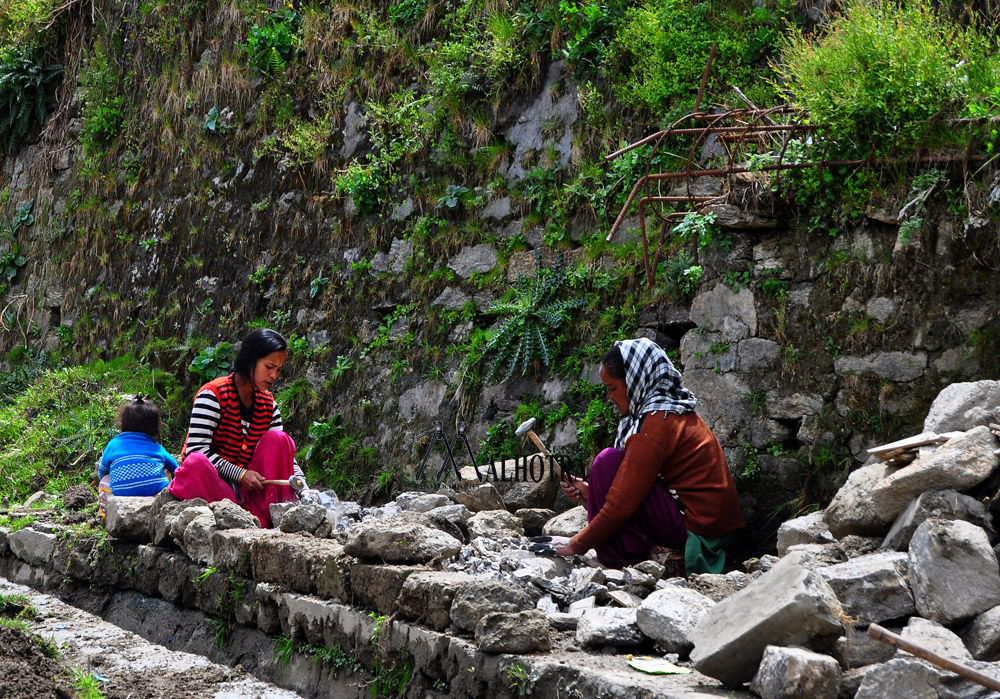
(33, 545)
(495, 524)
(958, 464)
(953, 571)
(960, 405)
(852, 510)
(788, 605)
(937, 504)
(474, 495)
(400, 541)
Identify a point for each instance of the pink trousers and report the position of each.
(274, 459)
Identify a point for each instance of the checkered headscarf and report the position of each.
(651, 383)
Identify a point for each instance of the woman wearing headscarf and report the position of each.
(665, 484)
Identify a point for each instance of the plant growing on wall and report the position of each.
(26, 92)
(271, 45)
(532, 313)
(212, 362)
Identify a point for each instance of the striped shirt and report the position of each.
(218, 431)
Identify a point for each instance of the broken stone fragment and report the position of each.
(852, 510)
(495, 524)
(400, 541)
(229, 515)
(608, 626)
(522, 632)
(569, 523)
(667, 616)
(789, 673)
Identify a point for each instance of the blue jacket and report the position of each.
(136, 462)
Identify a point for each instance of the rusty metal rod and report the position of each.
(960, 669)
(704, 77)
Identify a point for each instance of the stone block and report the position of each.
(534, 519)
(422, 502)
(951, 410)
(953, 571)
(569, 523)
(872, 588)
(128, 518)
(852, 510)
(935, 638)
(788, 605)
(427, 597)
(378, 586)
(231, 548)
(475, 600)
(303, 564)
(519, 632)
(400, 541)
(495, 524)
(982, 636)
(790, 673)
(33, 546)
(857, 649)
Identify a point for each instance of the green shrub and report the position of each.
(660, 49)
(407, 13)
(531, 316)
(884, 72)
(364, 184)
(104, 101)
(26, 92)
(270, 46)
(212, 362)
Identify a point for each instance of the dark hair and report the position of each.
(257, 345)
(614, 363)
(140, 415)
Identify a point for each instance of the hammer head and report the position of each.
(297, 483)
(525, 426)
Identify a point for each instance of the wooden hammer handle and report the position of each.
(881, 634)
(275, 482)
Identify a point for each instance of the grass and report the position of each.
(53, 432)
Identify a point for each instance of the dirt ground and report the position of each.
(126, 665)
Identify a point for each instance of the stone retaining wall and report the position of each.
(264, 585)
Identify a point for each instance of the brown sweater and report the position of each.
(684, 451)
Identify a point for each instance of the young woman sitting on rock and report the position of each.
(665, 484)
(235, 440)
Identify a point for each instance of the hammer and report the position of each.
(296, 483)
(525, 429)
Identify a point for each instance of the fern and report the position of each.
(26, 91)
(532, 315)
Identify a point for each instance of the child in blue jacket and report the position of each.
(135, 459)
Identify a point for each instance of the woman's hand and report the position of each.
(252, 480)
(562, 546)
(575, 489)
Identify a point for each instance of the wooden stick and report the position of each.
(881, 634)
(25, 511)
(275, 482)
